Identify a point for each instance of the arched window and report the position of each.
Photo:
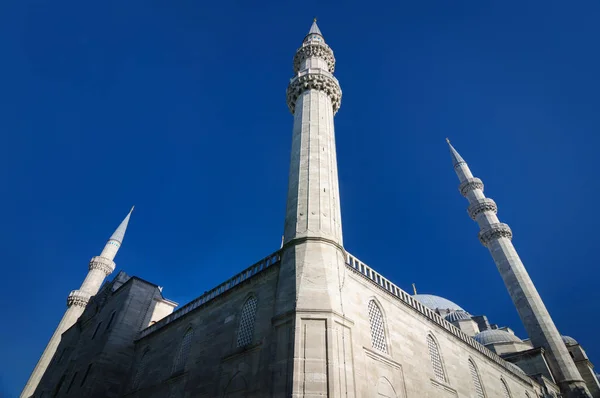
(246, 329)
(436, 359)
(476, 380)
(527, 394)
(141, 368)
(505, 391)
(184, 351)
(377, 327)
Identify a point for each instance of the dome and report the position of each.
(494, 336)
(458, 315)
(436, 302)
(569, 340)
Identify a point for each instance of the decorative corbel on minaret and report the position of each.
(99, 268)
(497, 237)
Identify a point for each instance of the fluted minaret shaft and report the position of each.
(497, 237)
(313, 96)
(99, 268)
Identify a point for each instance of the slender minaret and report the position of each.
(497, 236)
(312, 263)
(99, 268)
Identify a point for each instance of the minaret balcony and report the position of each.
(78, 298)
(314, 79)
(480, 206)
(493, 232)
(103, 264)
(470, 184)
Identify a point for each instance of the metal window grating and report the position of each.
(184, 351)
(436, 359)
(377, 330)
(246, 329)
(476, 380)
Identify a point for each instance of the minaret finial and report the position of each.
(414, 288)
(447, 140)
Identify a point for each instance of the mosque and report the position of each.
(309, 319)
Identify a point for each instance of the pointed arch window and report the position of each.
(246, 329)
(183, 352)
(141, 368)
(377, 327)
(436, 359)
(505, 391)
(476, 380)
(58, 386)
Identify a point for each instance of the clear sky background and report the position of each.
(179, 108)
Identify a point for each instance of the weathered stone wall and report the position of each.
(215, 363)
(103, 337)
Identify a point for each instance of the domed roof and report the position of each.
(457, 316)
(494, 336)
(435, 302)
(569, 340)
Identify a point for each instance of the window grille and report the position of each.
(436, 359)
(377, 328)
(141, 368)
(476, 380)
(184, 351)
(246, 328)
(505, 391)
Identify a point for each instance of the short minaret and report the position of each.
(99, 268)
(497, 237)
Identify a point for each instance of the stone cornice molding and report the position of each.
(103, 264)
(480, 206)
(494, 231)
(314, 50)
(78, 298)
(315, 79)
(470, 184)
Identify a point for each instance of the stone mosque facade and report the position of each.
(310, 319)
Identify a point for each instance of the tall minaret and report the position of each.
(497, 237)
(313, 97)
(312, 263)
(99, 268)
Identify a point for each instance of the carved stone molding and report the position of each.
(480, 206)
(103, 264)
(314, 50)
(494, 231)
(314, 81)
(469, 185)
(78, 298)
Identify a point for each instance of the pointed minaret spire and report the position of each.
(497, 237)
(314, 29)
(99, 268)
(119, 233)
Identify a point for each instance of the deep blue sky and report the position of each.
(179, 108)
